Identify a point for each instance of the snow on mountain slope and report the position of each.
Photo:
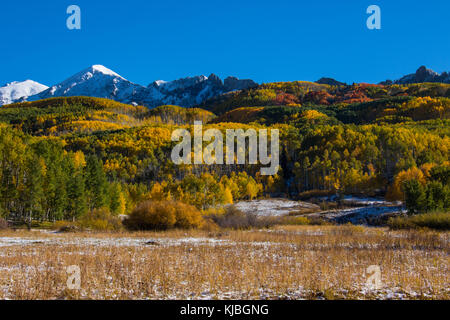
(99, 81)
(168, 86)
(191, 91)
(16, 90)
(95, 81)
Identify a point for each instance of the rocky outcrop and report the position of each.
(421, 75)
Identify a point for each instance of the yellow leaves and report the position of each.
(270, 184)
(43, 167)
(111, 165)
(265, 95)
(79, 159)
(228, 196)
(389, 112)
(312, 115)
(426, 168)
(422, 108)
(176, 115)
(372, 170)
(252, 190)
(157, 193)
(395, 191)
(295, 86)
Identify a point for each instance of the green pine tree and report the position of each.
(96, 183)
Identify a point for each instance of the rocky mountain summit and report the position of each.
(421, 75)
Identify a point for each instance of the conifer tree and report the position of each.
(96, 183)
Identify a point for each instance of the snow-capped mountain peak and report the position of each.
(104, 70)
(95, 81)
(97, 70)
(18, 90)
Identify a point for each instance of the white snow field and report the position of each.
(273, 207)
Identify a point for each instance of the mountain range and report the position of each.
(99, 81)
(423, 74)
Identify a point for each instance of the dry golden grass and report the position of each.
(288, 262)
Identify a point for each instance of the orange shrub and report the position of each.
(163, 215)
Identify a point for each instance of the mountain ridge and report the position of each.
(423, 74)
(101, 82)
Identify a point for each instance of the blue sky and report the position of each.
(265, 40)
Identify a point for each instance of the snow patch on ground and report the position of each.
(273, 207)
(106, 242)
(362, 201)
(359, 215)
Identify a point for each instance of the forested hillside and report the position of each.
(63, 157)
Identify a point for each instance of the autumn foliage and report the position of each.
(67, 158)
(163, 215)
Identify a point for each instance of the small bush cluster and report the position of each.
(295, 221)
(163, 215)
(100, 220)
(96, 220)
(434, 220)
(303, 221)
(66, 226)
(233, 218)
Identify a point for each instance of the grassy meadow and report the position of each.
(284, 262)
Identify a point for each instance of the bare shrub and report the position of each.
(318, 221)
(3, 224)
(234, 218)
(314, 194)
(66, 226)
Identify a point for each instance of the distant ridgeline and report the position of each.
(334, 139)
